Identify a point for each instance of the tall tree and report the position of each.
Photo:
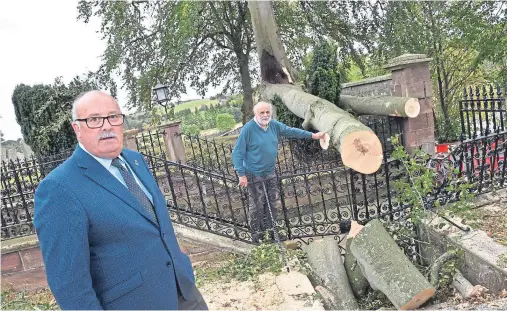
(207, 43)
(44, 113)
(460, 36)
(359, 147)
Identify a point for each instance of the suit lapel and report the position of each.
(100, 175)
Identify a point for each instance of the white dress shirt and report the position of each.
(116, 172)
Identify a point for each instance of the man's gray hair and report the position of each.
(75, 103)
(262, 103)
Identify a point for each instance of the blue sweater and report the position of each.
(256, 149)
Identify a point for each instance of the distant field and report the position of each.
(195, 103)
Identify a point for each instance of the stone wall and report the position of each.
(409, 77)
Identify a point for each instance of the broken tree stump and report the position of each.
(327, 266)
(387, 269)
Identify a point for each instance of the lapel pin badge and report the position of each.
(137, 163)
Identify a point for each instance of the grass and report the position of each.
(24, 300)
(195, 103)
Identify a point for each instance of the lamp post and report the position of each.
(162, 95)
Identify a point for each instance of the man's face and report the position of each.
(263, 114)
(107, 140)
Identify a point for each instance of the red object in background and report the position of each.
(442, 148)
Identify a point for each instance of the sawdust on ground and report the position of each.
(287, 291)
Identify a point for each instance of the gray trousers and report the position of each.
(260, 218)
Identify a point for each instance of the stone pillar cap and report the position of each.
(406, 60)
(171, 124)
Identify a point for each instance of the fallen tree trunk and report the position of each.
(359, 147)
(358, 282)
(327, 268)
(381, 105)
(388, 269)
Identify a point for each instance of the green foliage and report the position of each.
(208, 119)
(449, 269)
(283, 114)
(225, 122)
(323, 77)
(44, 113)
(414, 188)
(201, 43)
(450, 130)
(464, 38)
(191, 129)
(23, 300)
(263, 258)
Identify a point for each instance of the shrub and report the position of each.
(225, 122)
(191, 129)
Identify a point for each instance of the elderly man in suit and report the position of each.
(106, 237)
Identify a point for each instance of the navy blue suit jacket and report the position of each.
(101, 249)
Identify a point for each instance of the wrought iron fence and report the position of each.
(317, 194)
(19, 179)
(483, 111)
(151, 142)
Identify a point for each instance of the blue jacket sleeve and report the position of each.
(238, 153)
(62, 228)
(292, 132)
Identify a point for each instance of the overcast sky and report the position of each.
(41, 40)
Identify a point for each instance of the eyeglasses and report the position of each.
(96, 122)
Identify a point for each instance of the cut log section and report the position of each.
(327, 267)
(387, 269)
(359, 147)
(358, 282)
(465, 288)
(381, 105)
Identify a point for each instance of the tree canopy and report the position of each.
(175, 42)
(466, 40)
(44, 113)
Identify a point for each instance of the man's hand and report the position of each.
(318, 135)
(243, 182)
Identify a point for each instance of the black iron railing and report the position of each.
(19, 179)
(483, 111)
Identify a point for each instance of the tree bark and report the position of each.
(381, 105)
(387, 269)
(327, 268)
(246, 84)
(359, 147)
(266, 35)
(357, 280)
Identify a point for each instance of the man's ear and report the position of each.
(77, 129)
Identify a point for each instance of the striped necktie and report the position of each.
(134, 188)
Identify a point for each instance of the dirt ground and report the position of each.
(489, 215)
(288, 291)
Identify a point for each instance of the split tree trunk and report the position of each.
(388, 269)
(358, 282)
(359, 147)
(381, 105)
(327, 267)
